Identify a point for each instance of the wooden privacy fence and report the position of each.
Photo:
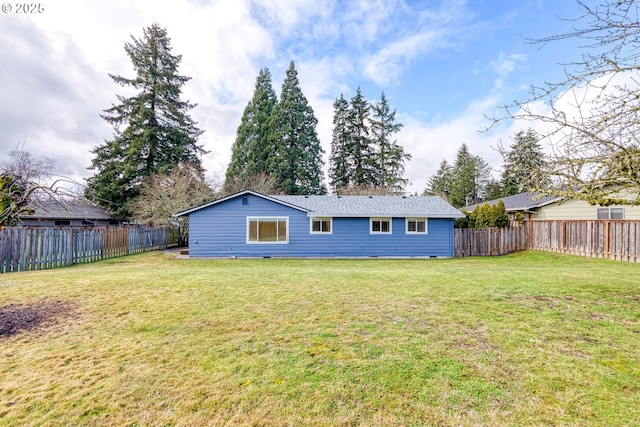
(39, 248)
(611, 239)
(489, 241)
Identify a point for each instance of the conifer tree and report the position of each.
(389, 155)
(152, 129)
(500, 215)
(463, 187)
(339, 162)
(360, 148)
(251, 151)
(440, 183)
(482, 177)
(470, 177)
(523, 164)
(296, 160)
(493, 189)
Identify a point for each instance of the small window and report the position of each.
(616, 213)
(245, 200)
(380, 225)
(321, 226)
(416, 225)
(610, 213)
(268, 230)
(62, 222)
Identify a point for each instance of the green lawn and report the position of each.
(526, 339)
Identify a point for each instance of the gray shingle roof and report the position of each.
(359, 206)
(520, 202)
(67, 209)
(355, 206)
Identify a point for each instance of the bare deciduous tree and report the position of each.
(260, 183)
(592, 117)
(163, 195)
(365, 190)
(26, 180)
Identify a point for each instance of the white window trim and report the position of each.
(426, 225)
(378, 218)
(250, 218)
(321, 218)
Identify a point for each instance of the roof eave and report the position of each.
(383, 215)
(537, 205)
(233, 196)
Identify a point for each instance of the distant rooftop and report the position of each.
(519, 202)
(66, 209)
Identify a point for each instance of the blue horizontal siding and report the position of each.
(220, 230)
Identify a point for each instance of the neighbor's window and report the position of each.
(416, 225)
(321, 226)
(267, 230)
(610, 213)
(380, 225)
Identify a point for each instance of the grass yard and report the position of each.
(526, 339)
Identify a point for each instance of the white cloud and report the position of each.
(430, 143)
(505, 65)
(386, 65)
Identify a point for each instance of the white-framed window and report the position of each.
(321, 225)
(610, 213)
(416, 225)
(268, 230)
(380, 225)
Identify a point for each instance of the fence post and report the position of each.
(607, 240)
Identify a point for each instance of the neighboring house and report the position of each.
(249, 224)
(533, 207)
(65, 213)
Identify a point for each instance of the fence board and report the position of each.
(489, 241)
(39, 248)
(611, 239)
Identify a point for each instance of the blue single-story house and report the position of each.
(249, 224)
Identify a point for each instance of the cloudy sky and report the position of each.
(442, 64)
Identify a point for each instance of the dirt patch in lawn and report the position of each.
(15, 318)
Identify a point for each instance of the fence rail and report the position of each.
(611, 239)
(39, 248)
(489, 241)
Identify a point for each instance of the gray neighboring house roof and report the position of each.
(520, 202)
(356, 206)
(67, 209)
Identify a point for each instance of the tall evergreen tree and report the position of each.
(360, 148)
(152, 129)
(440, 183)
(523, 164)
(493, 189)
(251, 151)
(470, 176)
(297, 158)
(389, 156)
(482, 178)
(339, 161)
